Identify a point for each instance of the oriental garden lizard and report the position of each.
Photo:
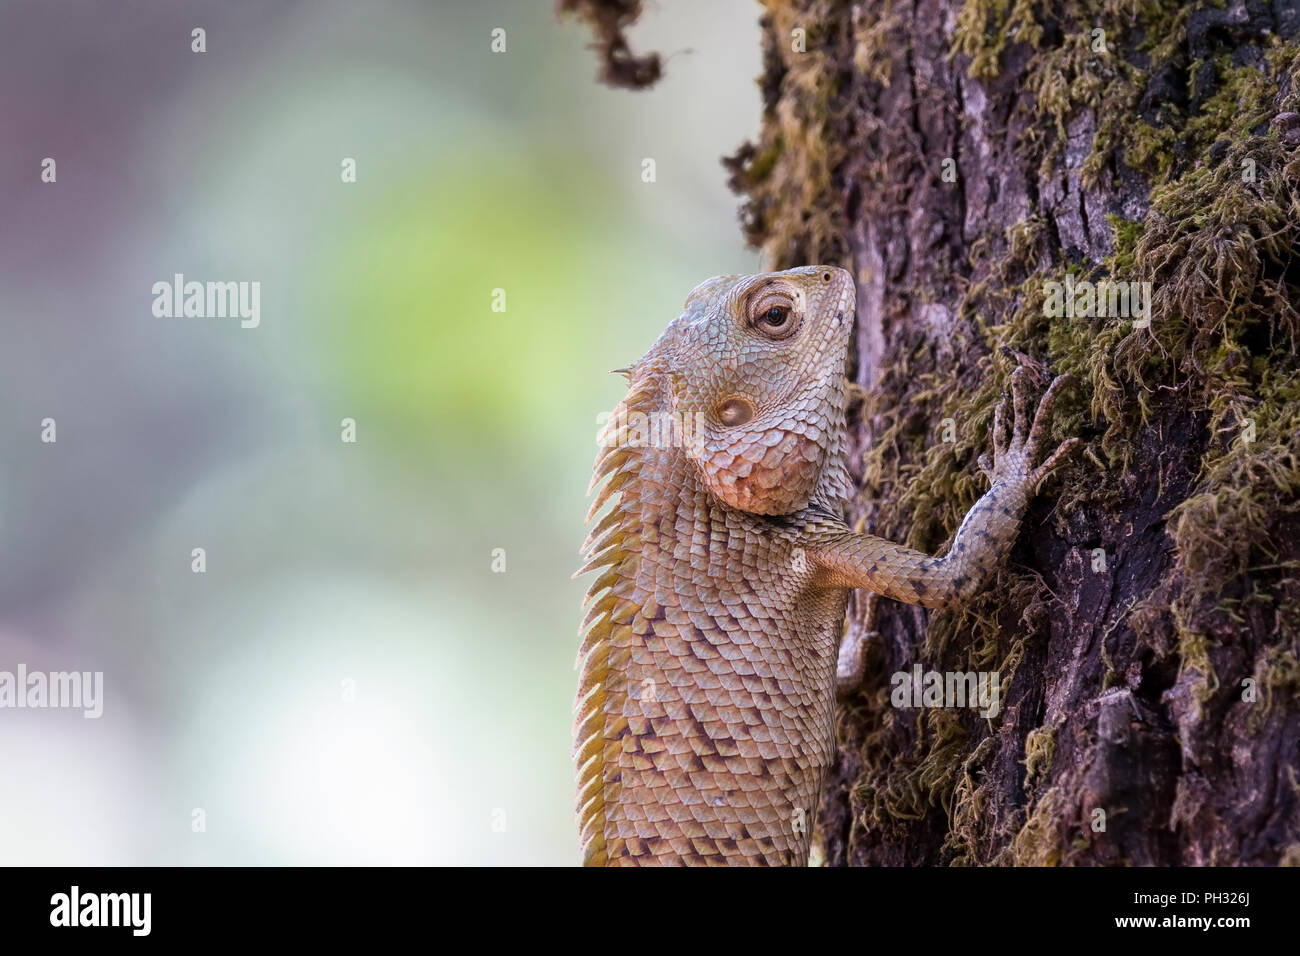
(703, 726)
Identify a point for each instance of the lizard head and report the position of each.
(754, 369)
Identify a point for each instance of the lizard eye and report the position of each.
(773, 316)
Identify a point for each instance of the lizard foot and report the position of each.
(1013, 458)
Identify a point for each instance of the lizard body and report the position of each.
(704, 712)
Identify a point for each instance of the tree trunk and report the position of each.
(958, 157)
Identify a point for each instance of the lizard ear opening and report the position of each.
(766, 470)
(734, 412)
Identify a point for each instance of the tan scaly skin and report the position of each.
(708, 667)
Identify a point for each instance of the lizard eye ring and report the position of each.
(773, 316)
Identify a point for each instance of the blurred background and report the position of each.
(349, 680)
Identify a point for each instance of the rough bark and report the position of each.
(1147, 632)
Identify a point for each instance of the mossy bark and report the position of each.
(1147, 630)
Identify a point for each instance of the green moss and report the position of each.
(1040, 750)
(1038, 842)
(985, 27)
(1109, 678)
(969, 816)
(913, 786)
(1151, 150)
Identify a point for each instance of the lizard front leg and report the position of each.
(849, 560)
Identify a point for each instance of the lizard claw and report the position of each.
(1055, 461)
(1020, 399)
(1044, 412)
(1000, 429)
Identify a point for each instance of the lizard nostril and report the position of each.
(826, 277)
